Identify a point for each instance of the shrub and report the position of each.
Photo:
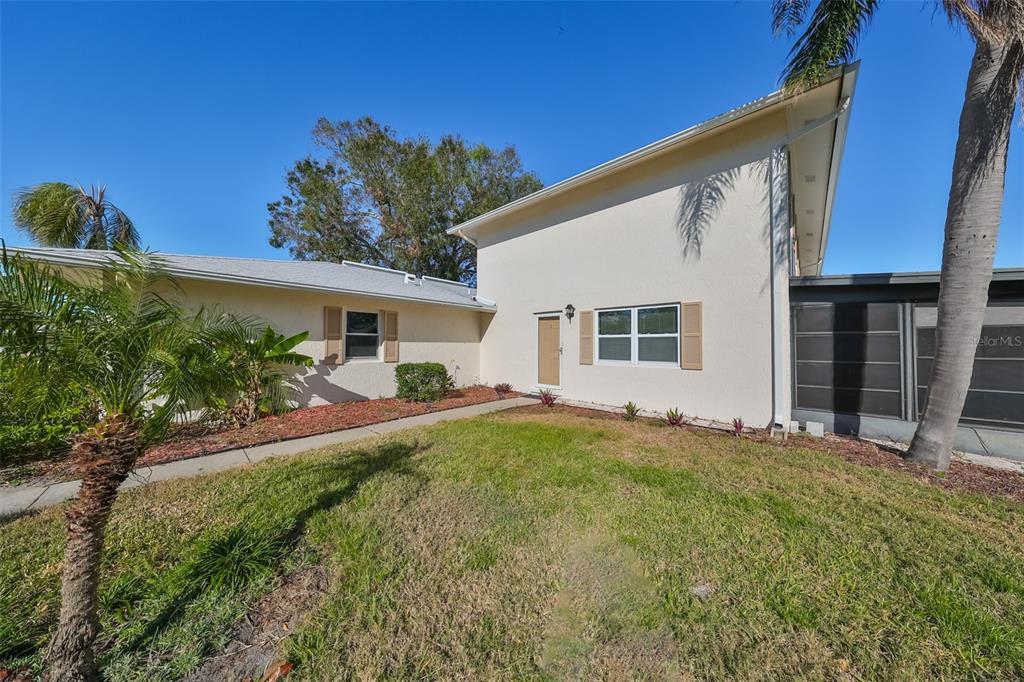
(547, 398)
(631, 411)
(502, 389)
(737, 426)
(43, 436)
(36, 422)
(422, 382)
(674, 417)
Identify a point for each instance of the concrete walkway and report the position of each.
(20, 499)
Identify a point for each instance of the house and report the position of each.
(674, 261)
(362, 319)
(685, 274)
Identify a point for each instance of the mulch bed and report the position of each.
(312, 421)
(962, 476)
(194, 441)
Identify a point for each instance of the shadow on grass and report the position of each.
(250, 550)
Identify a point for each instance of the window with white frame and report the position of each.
(362, 335)
(639, 336)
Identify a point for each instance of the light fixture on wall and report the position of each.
(570, 310)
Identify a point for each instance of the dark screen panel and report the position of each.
(849, 347)
(997, 341)
(852, 375)
(847, 317)
(987, 407)
(992, 375)
(885, 404)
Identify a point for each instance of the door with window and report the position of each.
(549, 346)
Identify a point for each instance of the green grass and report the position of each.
(552, 547)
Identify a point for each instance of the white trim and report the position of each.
(847, 89)
(373, 267)
(634, 336)
(345, 334)
(635, 156)
(536, 350)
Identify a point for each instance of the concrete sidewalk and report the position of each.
(20, 499)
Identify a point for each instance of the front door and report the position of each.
(549, 348)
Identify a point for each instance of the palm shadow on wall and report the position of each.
(702, 201)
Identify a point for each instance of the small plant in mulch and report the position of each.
(547, 398)
(737, 426)
(502, 389)
(631, 411)
(674, 417)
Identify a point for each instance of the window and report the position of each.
(639, 335)
(362, 335)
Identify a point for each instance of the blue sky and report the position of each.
(191, 113)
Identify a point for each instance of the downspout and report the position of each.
(777, 279)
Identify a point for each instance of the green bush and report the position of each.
(40, 437)
(423, 382)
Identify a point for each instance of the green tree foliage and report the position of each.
(57, 214)
(384, 200)
(259, 363)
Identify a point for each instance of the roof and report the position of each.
(883, 278)
(845, 76)
(337, 278)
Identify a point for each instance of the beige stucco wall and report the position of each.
(620, 242)
(425, 332)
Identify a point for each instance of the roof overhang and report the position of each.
(72, 261)
(815, 160)
(842, 81)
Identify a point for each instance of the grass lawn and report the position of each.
(550, 546)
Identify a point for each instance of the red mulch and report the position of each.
(962, 476)
(311, 421)
(192, 440)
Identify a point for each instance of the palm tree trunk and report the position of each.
(104, 455)
(972, 223)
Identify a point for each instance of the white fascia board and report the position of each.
(622, 161)
(846, 90)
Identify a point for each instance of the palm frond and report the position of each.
(50, 214)
(788, 16)
(829, 40)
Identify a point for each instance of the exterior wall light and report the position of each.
(570, 310)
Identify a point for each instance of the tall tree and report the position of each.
(57, 214)
(994, 85)
(388, 201)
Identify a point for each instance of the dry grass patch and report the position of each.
(550, 545)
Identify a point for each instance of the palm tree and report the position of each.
(57, 214)
(142, 361)
(979, 167)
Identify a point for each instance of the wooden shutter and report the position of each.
(587, 337)
(691, 337)
(333, 337)
(390, 336)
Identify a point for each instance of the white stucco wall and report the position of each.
(619, 242)
(425, 332)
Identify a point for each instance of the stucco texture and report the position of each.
(633, 239)
(426, 332)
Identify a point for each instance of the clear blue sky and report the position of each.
(191, 113)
